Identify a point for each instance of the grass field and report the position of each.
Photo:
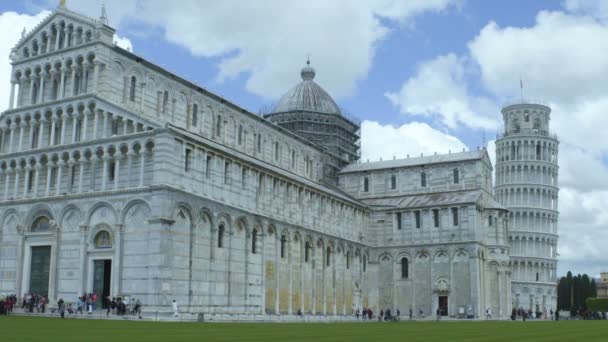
(53, 329)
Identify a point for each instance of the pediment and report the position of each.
(75, 28)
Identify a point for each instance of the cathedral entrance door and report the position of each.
(102, 275)
(40, 269)
(443, 305)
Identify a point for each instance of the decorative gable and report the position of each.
(62, 29)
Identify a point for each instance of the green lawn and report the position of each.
(53, 329)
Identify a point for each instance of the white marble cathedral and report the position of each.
(121, 178)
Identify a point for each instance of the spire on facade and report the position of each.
(104, 16)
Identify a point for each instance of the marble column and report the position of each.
(41, 132)
(130, 156)
(60, 166)
(75, 117)
(104, 129)
(85, 126)
(52, 138)
(142, 163)
(81, 164)
(41, 89)
(11, 141)
(104, 179)
(82, 259)
(26, 179)
(7, 182)
(62, 83)
(84, 86)
(64, 123)
(20, 144)
(49, 167)
(36, 177)
(117, 170)
(22, 80)
(73, 71)
(31, 93)
(96, 66)
(18, 171)
(11, 103)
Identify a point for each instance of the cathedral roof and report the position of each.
(446, 198)
(424, 160)
(307, 96)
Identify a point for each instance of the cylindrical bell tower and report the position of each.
(526, 183)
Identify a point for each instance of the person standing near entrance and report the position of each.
(438, 314)
(175, 309)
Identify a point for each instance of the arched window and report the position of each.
(218, 126)
(328, 256)
(490, 220)
(283, 246)
(393, 182)
(194, 114)
(456, 175)
(423, 179)
(516, 127)
(526, 117)
(132, 89)
(537, 276)
(364, 263)
(165, 101)
(220, 237)
(103, 239)
(404, 268)
(276, 151)
(365, 184)
(347, 260)
(240, 135)
(538, 151)
(536, 124)
(41, 224)
(307, 248)
(254, 241)
(259, 143)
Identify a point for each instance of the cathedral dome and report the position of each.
(307, 96)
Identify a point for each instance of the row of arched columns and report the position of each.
(533, 221)
(540, 149)
(526, 174)
(39, 83)
(537, 197)
(533, 245)
(62, 125)
(533, 270)
(96, 168)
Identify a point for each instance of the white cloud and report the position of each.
(561, 59)
(268, 40)
(439, 89)
(123, 42)
(11, 26)
(388, 141)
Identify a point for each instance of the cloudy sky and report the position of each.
(424, 76)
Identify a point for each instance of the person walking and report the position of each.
(175, 309)
(61, 307)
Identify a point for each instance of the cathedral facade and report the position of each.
(120, 178)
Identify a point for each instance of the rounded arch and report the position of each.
(37, 211)
(101, 212)
(205, 215)
(70, 216)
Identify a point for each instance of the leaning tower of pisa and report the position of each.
(526, 183)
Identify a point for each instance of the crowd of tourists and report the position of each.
(7, 304)
(385, 315)
(523, 314)
(32, 301)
